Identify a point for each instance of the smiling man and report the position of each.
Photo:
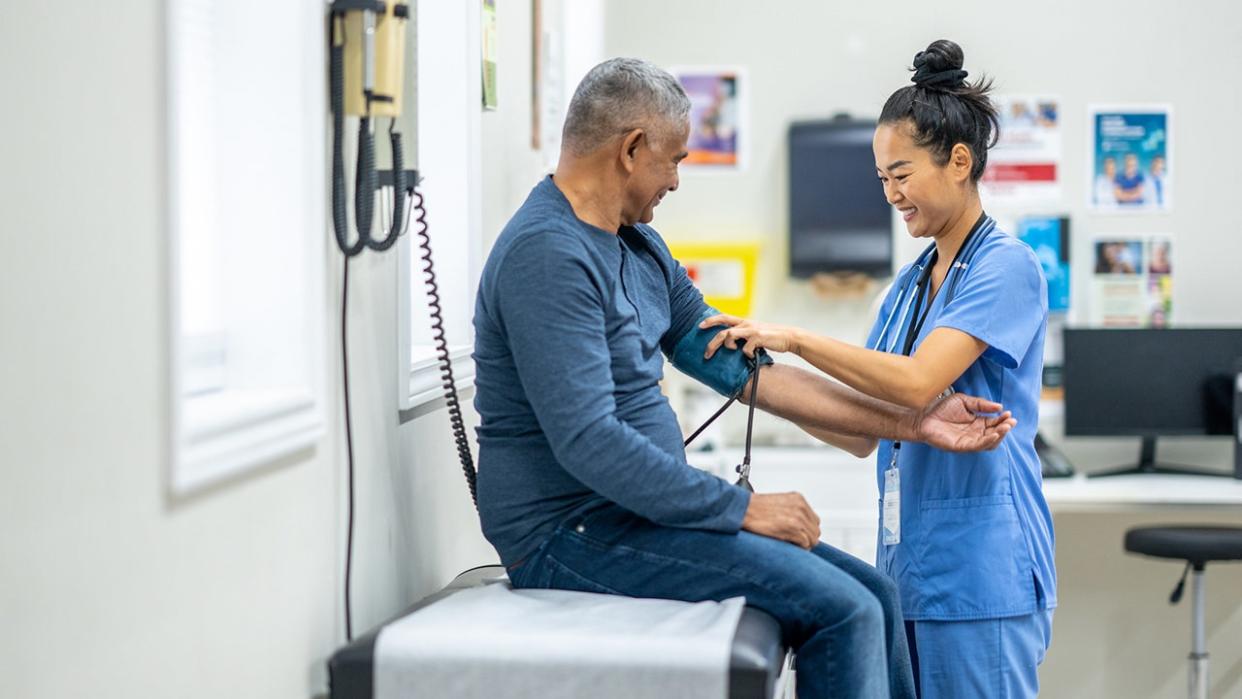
(583, 482)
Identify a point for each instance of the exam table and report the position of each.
(757, 655)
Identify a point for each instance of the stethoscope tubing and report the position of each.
(915, 273)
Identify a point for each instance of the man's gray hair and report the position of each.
(620, 95)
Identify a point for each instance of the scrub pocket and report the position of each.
(973, 558)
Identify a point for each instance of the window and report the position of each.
(449, 161)
(247, 226)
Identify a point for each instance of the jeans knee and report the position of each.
(859, 610)
(871, 613)
(888, 593)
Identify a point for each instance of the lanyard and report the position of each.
(920, 314)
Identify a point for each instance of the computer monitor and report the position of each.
(839, 219)
(1148, 383)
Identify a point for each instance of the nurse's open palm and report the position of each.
(964, 423)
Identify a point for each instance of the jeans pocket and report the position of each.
(607, 525)
(561, 577)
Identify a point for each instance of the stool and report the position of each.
(1197, 545)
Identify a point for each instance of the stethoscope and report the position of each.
(920, 274)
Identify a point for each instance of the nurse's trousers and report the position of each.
(986, 659)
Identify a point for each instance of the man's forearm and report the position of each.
(817, 403)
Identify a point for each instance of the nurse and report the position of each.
(967, 537)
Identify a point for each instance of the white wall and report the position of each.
(107, 587)
(1115, 636)
(811, 59)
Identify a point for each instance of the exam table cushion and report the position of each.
(755, 660)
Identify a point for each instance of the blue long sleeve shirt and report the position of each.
(571, 322)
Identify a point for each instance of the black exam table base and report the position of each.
(755, 661)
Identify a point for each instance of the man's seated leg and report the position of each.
(901, 674)
(833, 622)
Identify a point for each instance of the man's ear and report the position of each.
(629, 148)
(961, 161)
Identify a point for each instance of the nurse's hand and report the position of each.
(962, 423)
(775, 338)
(784, 516)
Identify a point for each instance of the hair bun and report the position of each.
(939, 65)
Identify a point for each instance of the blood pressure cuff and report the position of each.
(726, 372)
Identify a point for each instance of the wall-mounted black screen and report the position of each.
(838, 217)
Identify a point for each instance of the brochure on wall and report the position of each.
(1048, 236)
(1025, 164)
(717, 117)
(1131, 159)
(1132, 285)
(490, 52)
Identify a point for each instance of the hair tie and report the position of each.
(924, 76)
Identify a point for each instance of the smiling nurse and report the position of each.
(967, 537)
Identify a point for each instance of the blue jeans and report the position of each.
(840, 615)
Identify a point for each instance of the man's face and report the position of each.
(1131, 166)
(656, 158)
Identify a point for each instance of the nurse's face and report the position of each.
(928, 196)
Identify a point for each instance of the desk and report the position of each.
(1114, 633)
(1079, 491)
(843, 491)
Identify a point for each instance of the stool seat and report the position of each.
(1196, 544)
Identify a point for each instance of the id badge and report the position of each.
(892, 507)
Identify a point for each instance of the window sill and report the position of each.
(229, 433)
(425, 384)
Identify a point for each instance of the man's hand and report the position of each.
(784, 516)
(961, 423)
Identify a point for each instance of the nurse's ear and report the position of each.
(961, 161)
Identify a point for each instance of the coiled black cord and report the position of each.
(442, 352)
(365, 181)
(398, 189)
(340, 219)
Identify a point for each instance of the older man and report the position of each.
(583, 482)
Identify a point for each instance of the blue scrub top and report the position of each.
(976, 533)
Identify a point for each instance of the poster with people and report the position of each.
(1132, 283)
(717, 118)
(1025, 164)
(1132, 159)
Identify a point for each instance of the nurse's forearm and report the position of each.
(817, 404)
(892, 377)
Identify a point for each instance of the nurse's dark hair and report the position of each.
(943, 109)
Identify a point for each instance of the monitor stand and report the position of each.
(1147, 464)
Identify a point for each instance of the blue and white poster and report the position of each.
(1132, 159)
(1048, 236)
